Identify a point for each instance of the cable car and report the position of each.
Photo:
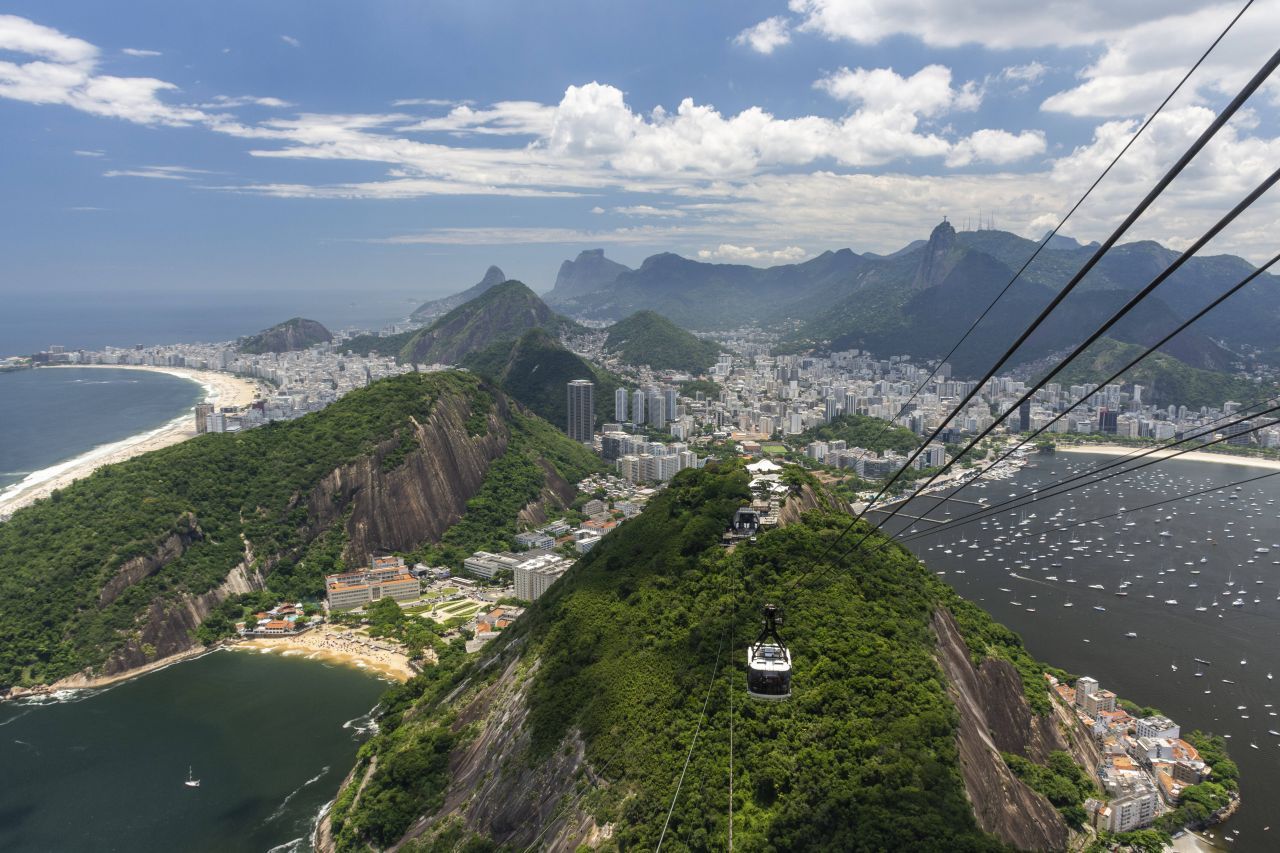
(769, 662)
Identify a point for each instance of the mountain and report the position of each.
(647, 337)
(919, 300)
(589, 272)
(435, 307)
(923, 301)
(704, 295)
(295, 334)
(503, 312)
(377, 344)
(575, 725)
(1166, 380)
(131, 564)
(536, 370)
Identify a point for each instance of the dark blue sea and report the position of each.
(31, 321)
(51, 415)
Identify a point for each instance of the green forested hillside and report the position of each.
(649, 338)
(377, 344)
(862, 431)
(622, 652)
(217, 491)
(1166, 380)
(501, 313)
(537, 369)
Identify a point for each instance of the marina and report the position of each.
(1060, 572)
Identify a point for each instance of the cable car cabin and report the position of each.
(769, 662)
(746, 522)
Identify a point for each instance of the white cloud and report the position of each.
(291, 41)
(928, 92)
(1145, 46)
(1029, 73)
(165, 173)
(505, 118)
(230, 102)
(134, 51)
(504, 236)
(766, 36)
(996, 146)
(23, 36)
(650, 210)
(751, 255)
(80, 152)
(427, 102)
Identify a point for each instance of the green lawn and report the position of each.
(773, 449)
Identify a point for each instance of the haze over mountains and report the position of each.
(919, 300)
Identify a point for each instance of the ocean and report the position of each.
(32, 321)
(269, 738)
(48, 416)
(1207, 552)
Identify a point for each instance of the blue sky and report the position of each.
(401, 147)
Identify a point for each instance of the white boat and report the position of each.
(1132, 635)
(192, 781)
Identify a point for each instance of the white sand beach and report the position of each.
(1193, 456)
(335, 644)
(221, 389)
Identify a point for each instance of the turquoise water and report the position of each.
(269, 738)
(48, 416)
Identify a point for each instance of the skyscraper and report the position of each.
(582, 416)
(637, 405)
(620, 405)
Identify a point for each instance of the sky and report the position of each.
(401, 147)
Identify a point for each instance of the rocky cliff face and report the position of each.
(418, 500)
(995, 718)
(412, 502)
(589, 272)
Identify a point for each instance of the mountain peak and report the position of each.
(938, 257)
(589, 272)
(493, 275)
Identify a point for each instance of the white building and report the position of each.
(1158, 727)
(534, 576)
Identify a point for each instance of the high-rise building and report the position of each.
(620, 405)
(1024, 416)
(582, 415)
(203, 410)
(637, 406)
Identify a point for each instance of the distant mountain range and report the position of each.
(295, 334)
(920, 300)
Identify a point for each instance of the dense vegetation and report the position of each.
(1165, 379)
(536, 370)
(215, 492)
(1061, 781)
(294, 334)
(861, 431)
(863, 756)
(388, 345)
(649, 338)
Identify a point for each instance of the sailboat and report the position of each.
(192, 781)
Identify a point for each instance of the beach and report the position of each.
(335, 645)
(1193, 456)
(221, 389)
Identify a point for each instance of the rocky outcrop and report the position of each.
(806, 499)
(939, 256)
(589, 272)
(298, 333)
(419, 499)
(995, 718)
(524, 804)
(186, 531)
(168, 628)
(557, 493)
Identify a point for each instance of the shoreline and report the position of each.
(321, 644)
(222, 389)
(1193, 456)
(346, 648)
